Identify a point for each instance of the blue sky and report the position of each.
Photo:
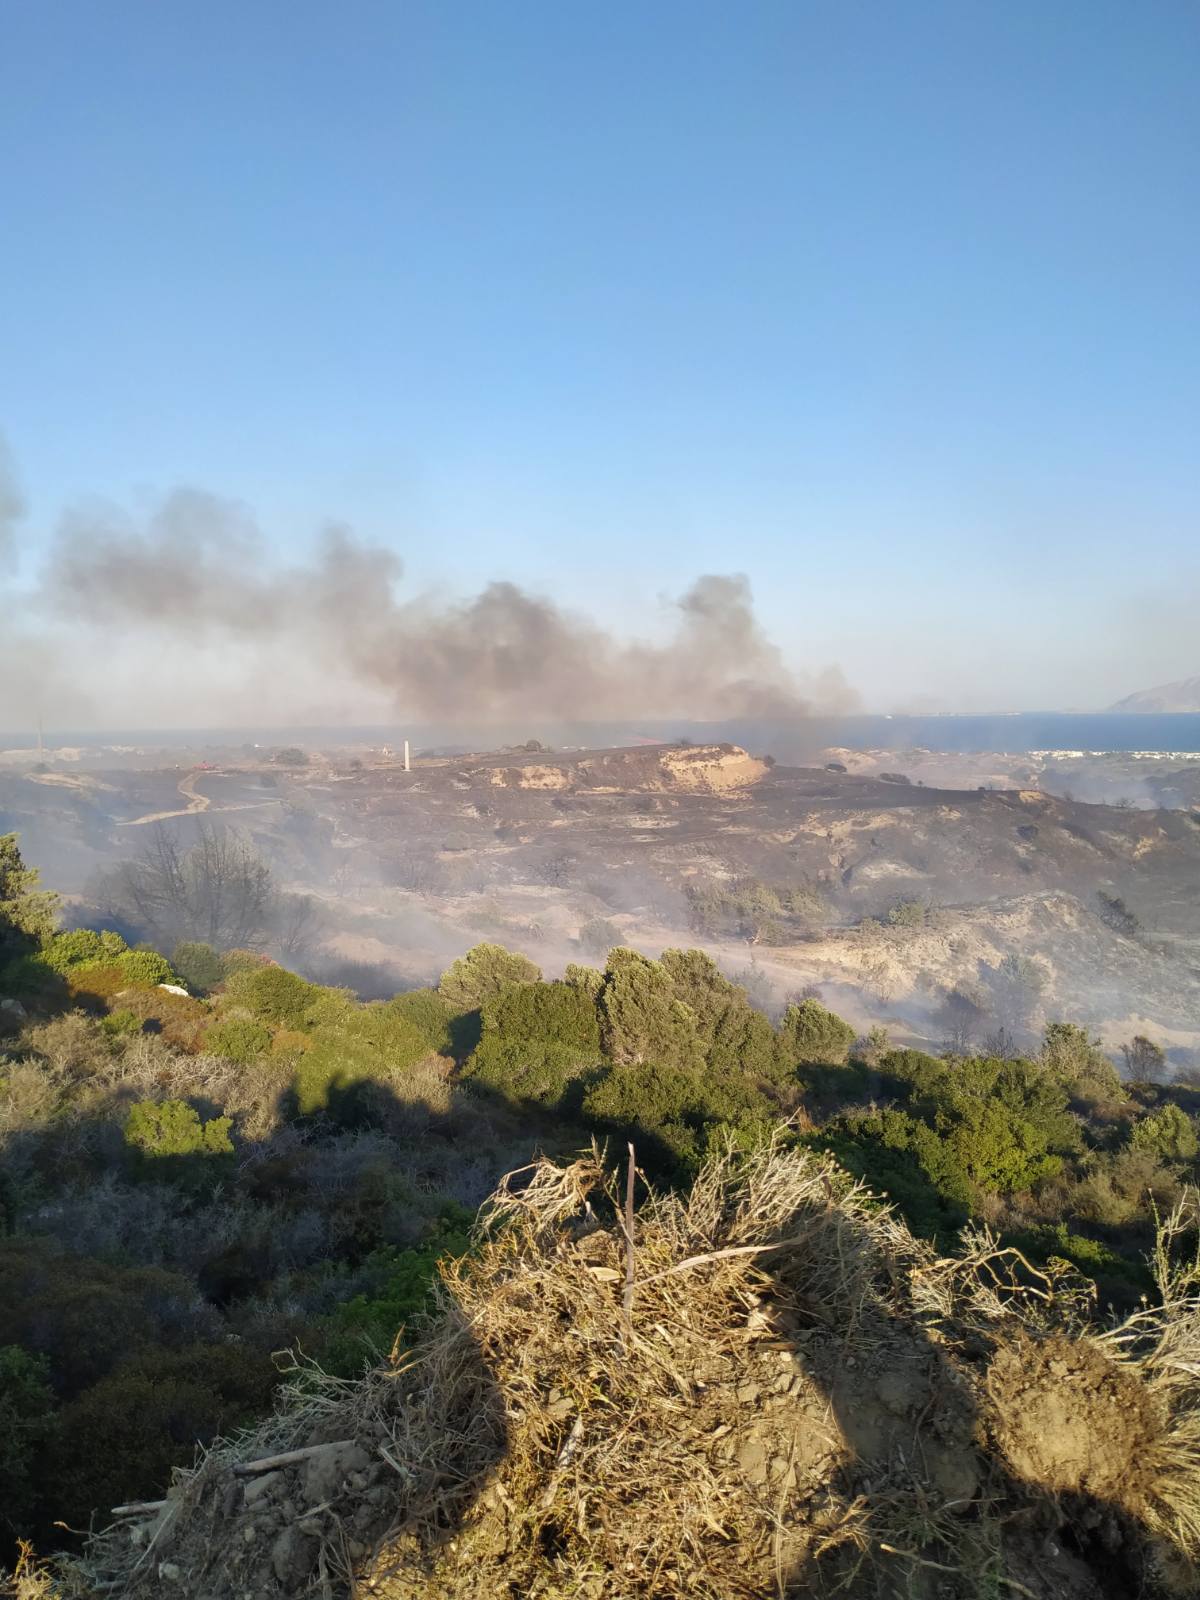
(893, 307)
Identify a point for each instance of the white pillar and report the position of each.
(406, 765)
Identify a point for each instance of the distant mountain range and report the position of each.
(1181, 696)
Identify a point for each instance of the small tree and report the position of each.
(198, 964)
(27, 914)
(1145, 1062)
(811, 1035)
(1168, 1133)
(908, 914)
(484, 971)
(641, 1017)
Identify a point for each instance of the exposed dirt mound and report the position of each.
(1070, 1419)
(777, 1391)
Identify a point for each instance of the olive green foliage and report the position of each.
(432, 1015)
(749, 909)
(27, 1423)
(27, 913)
(237, 1039)
(962, 1131)
(1168, 1133)
(810, 1033)
(81, 947)
(599, 936)
(483, 972)
(589, 979)
(119, 1440)
(733, 1037)
(908, 914)
(199, 965)
(169, 1142)
(1116, 1277)
(642, 1016)
(688, 1054)
(674, 1114)
(536, 1039)
(146, 967)
(1072, 1054)
(352, 1046)
(366, 1328)
(271, 993)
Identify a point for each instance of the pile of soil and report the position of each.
(793, 1396)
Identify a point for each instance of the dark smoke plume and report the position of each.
(198, 570)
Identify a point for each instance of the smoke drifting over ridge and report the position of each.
(196, 576)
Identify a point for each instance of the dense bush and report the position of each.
(369, 1326)
(811, 1034)
(28, 1421)
(642, 1017)
(237, 1039)
(271, 993)
(483, 972)
(199, 965)
(169, 1143)
(536, 1039)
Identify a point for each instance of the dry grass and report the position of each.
(543, 1444)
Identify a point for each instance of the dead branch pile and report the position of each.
(796, 1395)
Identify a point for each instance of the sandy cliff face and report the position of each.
(703, 769)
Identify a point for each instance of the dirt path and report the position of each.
(187, 788)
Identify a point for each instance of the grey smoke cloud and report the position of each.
(12, 507)
(198, 570)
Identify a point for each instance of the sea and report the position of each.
(792, 740)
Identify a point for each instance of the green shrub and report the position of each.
(1169, 1134)
(432, 1015)
(810, 1033)
(84, 1315)
(169, 1142)
(120, 1439)
(80, 946)
(27, 1423)
(483, 972)
(908, 914)
(273, 994)
(1116, 1277)
(146, 967)
(672, 1114)
(237, 1040)
(641, 1017)
(199, 965)
(901, 1158)
(1079, 1060)
(536, 1039)
(27, 913)
(121, 1024)
(369, 1326)
(734, 1038)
